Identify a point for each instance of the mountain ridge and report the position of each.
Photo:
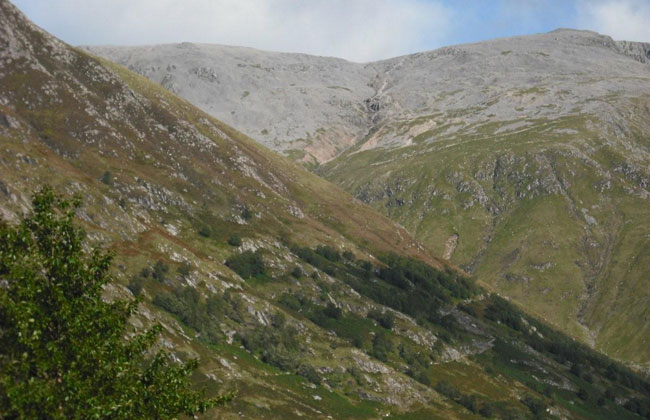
(349, 102)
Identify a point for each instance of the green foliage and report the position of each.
(316, 259)
(332, 311)
(278, 347)
(184, 269)
(418, 364)
(247, 213)
(186, 304)
(107, 178)
(297, 272)
(234, 240)
(160, 270)
(135, 285)
(205, 231)
(412, 287)
(505, 312)
(585, 362)
(382, 346)
(385, 318)
(247, 264)
(328, 252)
(64, 354)
(472, 402)
(535, 405)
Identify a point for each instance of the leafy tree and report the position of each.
(65, 352)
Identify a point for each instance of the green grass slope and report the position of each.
(551, 212)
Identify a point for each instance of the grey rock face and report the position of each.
(314, 108)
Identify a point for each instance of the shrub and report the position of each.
(487, 410)
(135, 285)
(309, 372)
(184, 269)
(247, 264)
(246, 213)
(583, 394)
(385, 319)
(107, 178)
(297, 272)
(186, 304)
(332, 311)
(448, 390)
(205, 231)
(505, 312)
(469, 402)
(382, 346)
(328, 252)
(160, 270)
(536, 406)
(234, 240)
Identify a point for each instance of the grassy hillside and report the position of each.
(302, 300)
(551, 212)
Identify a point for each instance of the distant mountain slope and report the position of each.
(305, 301)
(463, 145)
(298, 103)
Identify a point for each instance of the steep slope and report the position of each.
(308, 107)
(523, 160)
(306, 302)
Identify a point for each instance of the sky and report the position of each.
(357, 30)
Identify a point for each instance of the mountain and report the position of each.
(523, 160)
(303, 300)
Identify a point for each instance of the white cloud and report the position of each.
(359, 30)
(623, 19)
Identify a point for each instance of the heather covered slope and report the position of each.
(306, 302)
(523, 160)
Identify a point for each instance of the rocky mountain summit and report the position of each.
(298, 103)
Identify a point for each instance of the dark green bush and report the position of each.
(385, 319)
(247, 264)
(234, 240)
(382, 346)
(186, 303)
(160, 270)
(332, 311)
(328, 252)
(135, 285)
(184, 269)
(247, 213)
(297, 272)
(107, 178)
